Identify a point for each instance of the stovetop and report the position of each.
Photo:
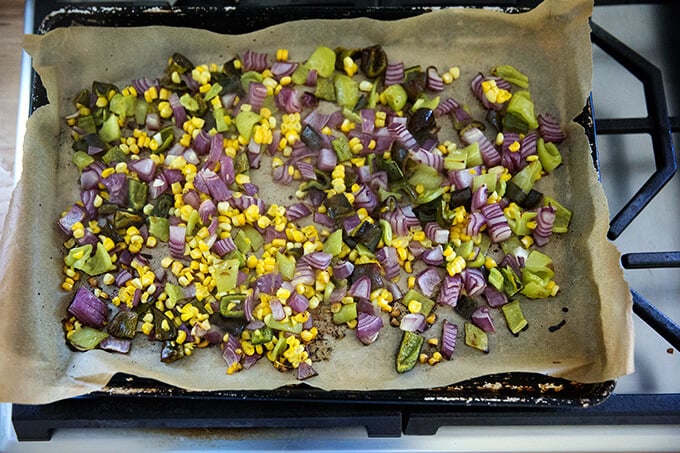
(635, 150)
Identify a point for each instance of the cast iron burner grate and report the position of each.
(173, 408)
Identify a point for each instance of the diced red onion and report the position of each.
(201, 143)
(288, 100)
(223, 246)
(350, 223)
(122, 277)
(490, 155)
(550, 129)
(428, 281)
(117, 186)
(158, 186)
(206, 210)
(327, 159)
(178, 112)
(445, 107)
(257, 92)
(389, 261)
(306, 170)
(479, 197)
(192, 198)
(448, 342)
(428, 158)
(312, 77)
(413, 322)
(367, 121)
(112, 344)
(268, 283)
(297, 302)
(230, 354)
(227, 169)
(365, 198)
(316, 119)
(216, 186)
(433, 80)
(304, 371)
(528, 146)
(88, 308)
(176, 240)
(153, 121)
(361, 288)
(436, 233)
(282, 69)
(496, 223)
(323, 219)
(463, 178)
(90, 177)
(474, 281)
(476, 221)
(276, 307)
(281, 175)
(433, 256)
(297, 211)
(481, 317)
(401, 134)
(394, 73)
(343, 269)
(544, 224)
(317, 260)
(494, 298)
(245, 201)
(368, 327)
(144, 83)
(304, 274)
(254, 61)
(75, 214)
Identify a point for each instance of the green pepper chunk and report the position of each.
(226, 274)
(426, 304)
(476, 337)
(519, 115)
(562, 215)
(333, 243)
(340, 145)
(282, 326)
(548, 154)
(347, 313)
(396, 97)
(514, 317)
(322, 60)
(124, 324)
(159, 227)
(137, 194)
(409, 351)
(286, 265)
(245, 121)
(231, 306)
(164, 328)
(82, 159)
(527, 177)
(512, 75)
(346, 91)
(86, 338)
(98, 263)
(261, 335)
(110, 130)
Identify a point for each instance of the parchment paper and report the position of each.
(550, 43)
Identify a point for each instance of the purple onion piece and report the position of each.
(428, 280)
(276, 307)
(433, 256)
(450, 290)
(297, 302)
(494, 298)
(343, 269)
(368, 327)
(88, 308)
(317, 260)
(413, 322)
(481, 317)
(474, 281)
(361, 288)
(112, 344)
(544, 224)
(497, 224)
(305, 371)
(448, 341)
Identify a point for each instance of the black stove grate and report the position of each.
(402, 416)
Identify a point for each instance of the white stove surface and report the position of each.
(626, 163)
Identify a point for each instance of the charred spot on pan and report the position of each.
(557, 326)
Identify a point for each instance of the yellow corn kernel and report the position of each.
(527, 241)
(414, 306)
(455, 72)
(514, 146)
